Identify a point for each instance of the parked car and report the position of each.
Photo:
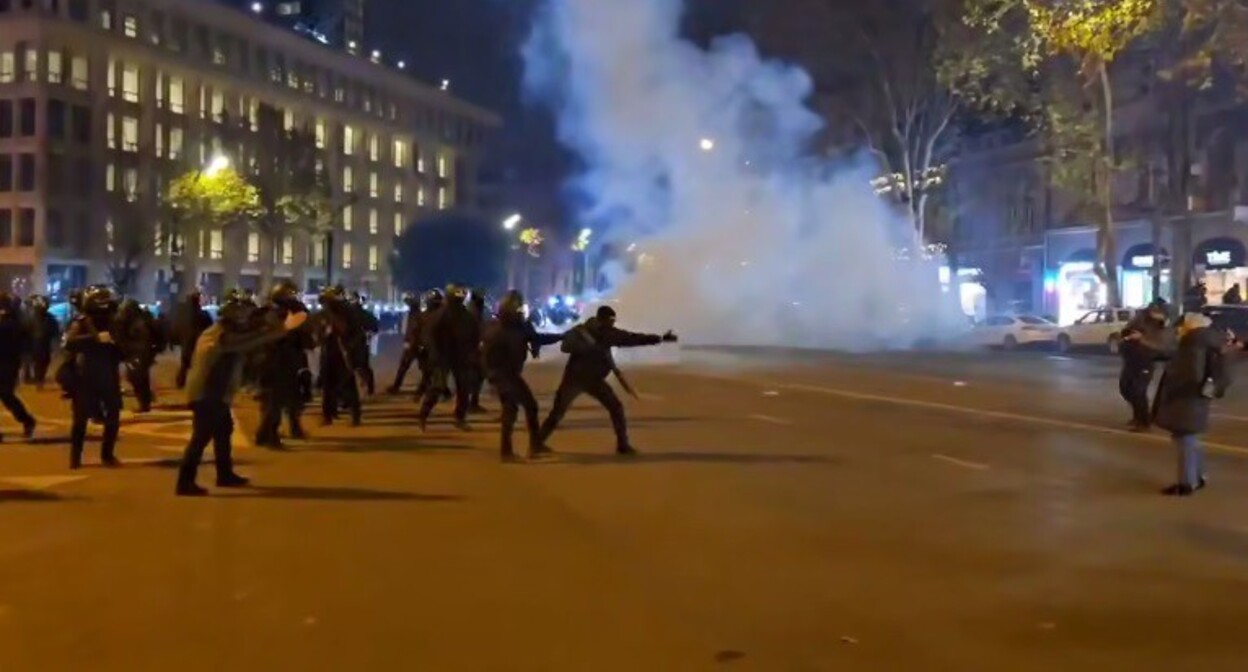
(1012, 331)
(1101, 328)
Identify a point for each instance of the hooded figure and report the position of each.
(506, 344)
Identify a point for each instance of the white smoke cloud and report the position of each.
(699, 157)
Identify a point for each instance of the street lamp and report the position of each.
(707, 144)
(218, 164)
(582, 246)
(512, 221)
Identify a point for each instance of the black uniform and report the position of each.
(14, 343)
(95, 383)
(361, 356)
(453, 339)
(279, 376)
(411, 344)
(506, 345)
(140, 341)
(477, 366)
(44, 332)
(337, 333)
(189, 322)
(589, 363)
(1146, 340)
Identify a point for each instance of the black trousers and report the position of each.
(8, 396)
(211, 422)
(275, 402)
(1133, 385)
(439, 378)
(184, 365)
(339, 388)
(514, 394)
(405, 365)
(88, 404)
(140, 376)
(600, 390)
(37, 367)
(478, 384)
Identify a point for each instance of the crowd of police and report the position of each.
(455, 340)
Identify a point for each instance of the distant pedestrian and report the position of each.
(1232, 297)
(1196, 376)
(1145, 341)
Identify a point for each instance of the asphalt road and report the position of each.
(790, 511)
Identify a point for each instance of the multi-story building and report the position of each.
(104, 102)
(339, 23)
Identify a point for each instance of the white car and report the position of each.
(1101, 328)
(1011, 331)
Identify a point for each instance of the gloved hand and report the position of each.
(670, 337)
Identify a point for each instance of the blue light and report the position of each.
(552, 301)
(569, 302)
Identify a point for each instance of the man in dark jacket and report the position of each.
(14, 343)
(361, 353)
(215, 376)
(189, 322)
(337, 333)
(505, 345)
(139, 340)
(279, 367)
(411, 341)
(1145, 341)
(44, 331)
(95, 384)
(476, 368)
(1197, 374)
(590, 361)
(454, 338)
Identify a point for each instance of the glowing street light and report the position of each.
(707, 144)
(218, 164)
(513, 221)
(402, 65)
(446, 85)
(586, 233)
(257, 7)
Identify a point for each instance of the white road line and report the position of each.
(771, 419)
(978, 412)
(961, 463)
(40, 482)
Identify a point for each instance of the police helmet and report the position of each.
(39, 302)
(99, 299)
(411, 300)
(284, 292)
(236, 310)
(434, 299)
(456, 294)
(512, 303)
(75, 298)
(332, 295)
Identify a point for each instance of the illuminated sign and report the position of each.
(1142, 261)
(1218, 258)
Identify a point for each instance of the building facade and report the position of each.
(104, 102)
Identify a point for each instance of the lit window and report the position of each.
(160, 140)
(8, 67)
(253, 247)
(177, 97)
(420, 162)
(130, 182)
(320, 134)
(110, 178)
(56, 64)
(130, 83)
(316, 252)
(160, 89)
(442, 200)
(373, 225)
(112, 78)
(158, 238)
(79, 73)
(348, 179)
(111, 131)
(442, 166)
(348, 140)
(339, 95)
(175, 143)
(348, 218)
(420, 196)
(372, 257)
(346, 256)
(400, 153)
(216, 244)
(203, 102)
(130, 134)
(374, 148)
(32, 65)
(288, 250)
(398, 192)
(373, 190)
(109, 235)
(218, 56)
(218, 106)
(253, 114)
(130, 26)
(398, 223)
(106, 19)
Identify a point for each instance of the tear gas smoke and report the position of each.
(699, 158)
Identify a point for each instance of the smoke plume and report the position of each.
(699, 161)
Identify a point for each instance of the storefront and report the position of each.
(1221, 264)
(972, 297)
(1137, 275)
(1076, 287)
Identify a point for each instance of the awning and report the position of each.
(1219, 253)
(1141, 257)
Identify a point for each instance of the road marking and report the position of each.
(959, 383)
(979, 412)
(771, 419)
(961, 463)
(1060, 358)
(40, 482)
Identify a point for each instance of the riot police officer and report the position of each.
(189, 322)
(369, 327)
(214, 379)
(476, 368)
(434, 300)
(411, 341)
(338, 333)
(280, 367)
(454, 338)
(140, 341)
(14, 343)
(95, 385)
(44, 331)
(506, 343)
